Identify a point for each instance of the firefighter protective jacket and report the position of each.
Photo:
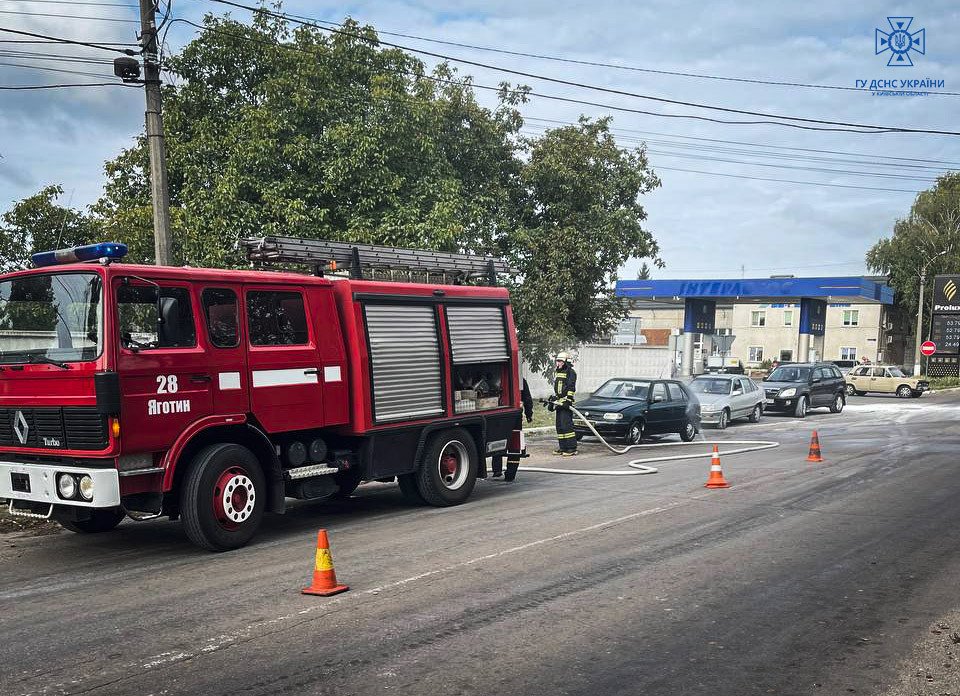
(565, 385)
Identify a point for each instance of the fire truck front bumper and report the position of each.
(60, 485)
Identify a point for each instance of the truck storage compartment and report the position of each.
(480, 353)
(405, 368)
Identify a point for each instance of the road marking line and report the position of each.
(227, 639)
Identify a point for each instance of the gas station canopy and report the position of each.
(852, 289)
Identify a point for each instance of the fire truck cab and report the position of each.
(215, 395)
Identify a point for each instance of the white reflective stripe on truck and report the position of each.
(286, 377)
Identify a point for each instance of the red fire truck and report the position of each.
(215, 395)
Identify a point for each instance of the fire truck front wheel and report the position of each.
(449, 470)
(223, 497)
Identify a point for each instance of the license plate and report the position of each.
(769, 401)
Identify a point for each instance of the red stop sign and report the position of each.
(928, 348)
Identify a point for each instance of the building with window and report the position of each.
(766, 331)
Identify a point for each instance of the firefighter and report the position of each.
(564, 389)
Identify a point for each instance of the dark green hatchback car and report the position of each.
(631, 408)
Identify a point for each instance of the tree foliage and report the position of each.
(932, 226)
(38, 223)
(279, 131)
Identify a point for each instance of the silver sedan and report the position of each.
(725, 397)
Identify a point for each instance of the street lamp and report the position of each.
(923, 279)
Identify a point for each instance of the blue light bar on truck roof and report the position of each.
(89, 252)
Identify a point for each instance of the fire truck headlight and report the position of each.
(66, 486)
(86, 487)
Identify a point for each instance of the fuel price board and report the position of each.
(945, 332)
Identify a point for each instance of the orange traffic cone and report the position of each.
(324, 578)
(716, 479)
(814, 455)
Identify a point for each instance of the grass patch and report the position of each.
(944, 382)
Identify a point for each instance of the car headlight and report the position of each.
(787, 393)
(86, 487)
(708, 407)
(66, 486)
(612, 416)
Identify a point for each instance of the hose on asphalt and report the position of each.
(641, 466)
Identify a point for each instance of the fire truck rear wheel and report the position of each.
(101, 520)
(449, 469)
(223, 497)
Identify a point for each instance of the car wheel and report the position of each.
(689, 432)
(635, 434)
(724, 420)
(756, 414)
(448, 472)
(850, 390)
(101, 520)
(223, 497)
(800, 410)
(904, 391)
(838, 404)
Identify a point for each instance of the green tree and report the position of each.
(644, 272)
(932, 226)
(37, 224)
(581, 220)
(279, 131)
(293, 132)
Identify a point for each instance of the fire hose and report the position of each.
(642, 466)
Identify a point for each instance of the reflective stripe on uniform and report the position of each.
(565, 436)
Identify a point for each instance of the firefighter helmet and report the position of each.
(563, 356)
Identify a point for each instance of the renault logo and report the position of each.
(950, 290)
(20, 427)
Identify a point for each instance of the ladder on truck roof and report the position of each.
(323, 255)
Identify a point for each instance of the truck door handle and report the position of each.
(312, 371)
(200, 379)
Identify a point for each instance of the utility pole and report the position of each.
(162, 237)
(919, 339)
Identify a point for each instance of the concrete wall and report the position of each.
(595, 364)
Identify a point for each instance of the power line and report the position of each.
(125, 51)
(83, 84)
(541, 95)
(821, 170)
(615, 66)
(785, 181)
(66, 16)
(760, 145)
(79, 2)
(53, 57)
(56, 70)
(31, 41)
(597, 88)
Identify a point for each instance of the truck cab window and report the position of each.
(276, 318)
(223, 324)
(149, 322)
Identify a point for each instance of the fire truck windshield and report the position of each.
(51, 318)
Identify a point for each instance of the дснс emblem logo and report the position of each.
(899, 41)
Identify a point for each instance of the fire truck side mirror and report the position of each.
(106, 385)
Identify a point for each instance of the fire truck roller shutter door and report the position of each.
(405, 367)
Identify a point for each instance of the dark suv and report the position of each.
(798, 387)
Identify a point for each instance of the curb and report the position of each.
(944, 391)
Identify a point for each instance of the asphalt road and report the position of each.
(800, 579)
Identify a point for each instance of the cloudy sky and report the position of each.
(753, 200)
